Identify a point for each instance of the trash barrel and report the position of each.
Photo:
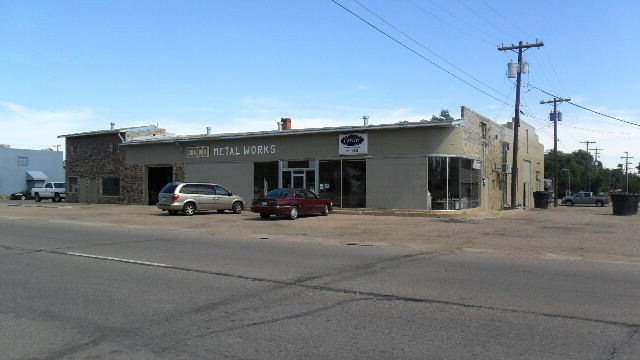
(541, 199)
(625, 203)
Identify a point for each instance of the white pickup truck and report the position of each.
(56, 191)
(585, 198)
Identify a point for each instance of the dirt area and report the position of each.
(571, 233)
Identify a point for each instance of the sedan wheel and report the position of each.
(325, 210)
(236, 207)
(293, 213)
(189, 209)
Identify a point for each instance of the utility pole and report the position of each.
(516, 120)
(587, 163)
(555, 117)
(626, 167)
(596, 153)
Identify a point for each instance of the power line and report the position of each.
(416, 52)
(506, 19)
(585, 108)
(424, 47)
(453, 16)
(483, 18)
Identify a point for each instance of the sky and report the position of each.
(236, 66)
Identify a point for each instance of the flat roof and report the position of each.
(229, 136)
(134, 129)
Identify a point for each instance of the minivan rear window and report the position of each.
(169, 188)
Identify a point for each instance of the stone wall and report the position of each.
(90, 159)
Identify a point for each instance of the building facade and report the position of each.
(432, 165)
(22, 169)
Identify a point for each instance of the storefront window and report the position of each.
(265, 177)
(330, 182)
(454, 183)
(344, 182)
(354, 183)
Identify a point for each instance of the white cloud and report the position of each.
(39, 129)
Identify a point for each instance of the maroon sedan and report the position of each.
(292, 203)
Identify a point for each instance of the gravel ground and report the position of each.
(569, 233)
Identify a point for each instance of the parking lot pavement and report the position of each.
(565, 233)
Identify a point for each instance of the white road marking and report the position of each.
(129, 261)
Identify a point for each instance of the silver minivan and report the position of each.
(191, 197)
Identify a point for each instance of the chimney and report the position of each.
(286, 123)
(113, 126)
(208, 130)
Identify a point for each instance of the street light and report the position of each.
(568, 192)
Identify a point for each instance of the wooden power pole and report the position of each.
(516, 120)
(555, 117)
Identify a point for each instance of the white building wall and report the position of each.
(13, 174)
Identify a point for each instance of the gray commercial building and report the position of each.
(435, 165)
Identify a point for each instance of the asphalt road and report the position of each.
(80, 288)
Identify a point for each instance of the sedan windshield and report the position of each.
(278, 193)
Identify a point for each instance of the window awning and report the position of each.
(36, 175)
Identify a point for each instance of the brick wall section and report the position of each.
(530, 150)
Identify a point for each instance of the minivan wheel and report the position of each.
(189, 208)
(236, 207)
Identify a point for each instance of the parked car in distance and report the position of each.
(292, 203)
(585, 198)
(21, 195)
(56, 191)
(191, 197)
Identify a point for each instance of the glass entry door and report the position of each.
(299, 178)
(299, 174)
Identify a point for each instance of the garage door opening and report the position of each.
(157, 178)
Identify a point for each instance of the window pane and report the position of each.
(330, 183)
(110, 187)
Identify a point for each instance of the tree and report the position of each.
(601, 179)
(444, 116)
